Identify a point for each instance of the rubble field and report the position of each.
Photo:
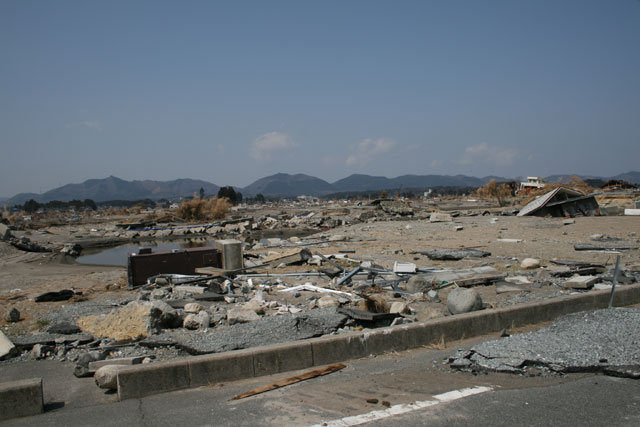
(310, 270)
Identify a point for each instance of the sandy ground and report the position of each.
(24, 275)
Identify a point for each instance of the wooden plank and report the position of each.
(292, 380)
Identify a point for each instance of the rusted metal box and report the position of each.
(145, 263)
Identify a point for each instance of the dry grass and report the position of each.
(201, 209)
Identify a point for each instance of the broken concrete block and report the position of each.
(440, 217)
(7, 349)
(239, 315)
(231, 253)
(404, 267)
(519, 280)
(504, 286)
(197, 321)
(65, 328)
(107, 377)
(398, 307)
(568, 221)
(463, 300)
(530, 263)
(188, 289)
(580, 282)
(5, 233)
(39, 351)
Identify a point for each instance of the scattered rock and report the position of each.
(40, 351)
(530, 263)
(193, 307)
(132, 321)
(13, 315)
(239, 315)
(463, 300)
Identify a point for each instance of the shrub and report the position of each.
(199, 209)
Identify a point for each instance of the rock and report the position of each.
(568, 221)
(417, 283)
(327, 301)
(7, 349)
(463, 300)
(193, 307)
(39, 351)
(107, 376)
(65, 328)
(580, 282)
(255, 306)
(239, 315)
(530, 263)
(398, 307)
(440, 217)
(13, 315)
(162, 315)
(157, 294)
(190, 322)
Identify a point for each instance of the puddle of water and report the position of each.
(118, 255)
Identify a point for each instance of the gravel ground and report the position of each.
(601, 340)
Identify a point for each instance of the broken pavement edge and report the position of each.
(189, 372)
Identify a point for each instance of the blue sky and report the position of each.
(233, 91)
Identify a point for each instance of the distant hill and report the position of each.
(280, 184)
(632, 177)
(113, 188)
(359, 182)
(283, 184)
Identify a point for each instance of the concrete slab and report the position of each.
(21, 398)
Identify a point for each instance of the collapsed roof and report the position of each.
(562, 201)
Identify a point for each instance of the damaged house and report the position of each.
(562, 202)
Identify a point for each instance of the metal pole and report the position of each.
(615, 280)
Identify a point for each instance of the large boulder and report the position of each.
(463, 300)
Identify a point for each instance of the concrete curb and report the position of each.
(21, 398)
(138, 381)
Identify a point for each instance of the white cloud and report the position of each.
(484, 153)
(93, 125)
(364, 151)
(268, 144)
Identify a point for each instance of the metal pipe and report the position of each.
(615, 281)
(348, 277)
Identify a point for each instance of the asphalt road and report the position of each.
(581, 399)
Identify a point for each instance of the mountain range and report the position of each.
(281, 184)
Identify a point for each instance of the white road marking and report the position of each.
(403, 408)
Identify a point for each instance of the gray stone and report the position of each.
(162, 315)
(503, 287)
(193, 307)
(13, 315)
(107, 376)
(417, 283)
(40, 351)
(463, 300)
(240, 315)
(530, 263)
